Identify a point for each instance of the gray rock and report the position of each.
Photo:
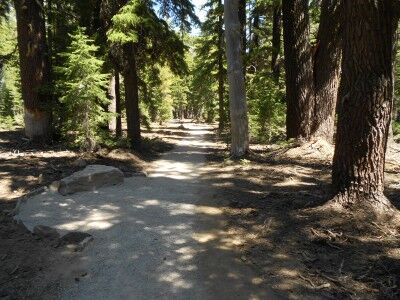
(90, 179)
(46, 232)
(76, 240)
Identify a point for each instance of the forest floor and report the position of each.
(270, 220)
(298, 245)
(25, 168)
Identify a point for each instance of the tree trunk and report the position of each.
(242, 20)
(276, 41)
(34, 65)
(299, 68)
(254, 32)
(237, 93)
(366, 105)
(118, 125)
(221, 73)
(112, 124)
(132, 97)
(312, 73)
(327, 58)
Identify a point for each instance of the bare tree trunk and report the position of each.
(112, 124)
(276, 40)
(221, 72)
(242, 20)
(237, 92)
(118, 125)
(132, 97)
(366, 105)
(34, 65)
(327, 59)
(299, 68)
(312, 74)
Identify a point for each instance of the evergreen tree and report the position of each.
(82, 88)
(237, 92)
(35, 68)
(210, 57)
(144, 37)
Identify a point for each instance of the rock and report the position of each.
(140, 174)
(90, 179)
(76, 240)
(54, 186)
(46, 232)
(80, 162)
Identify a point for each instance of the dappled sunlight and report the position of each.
(158, 235)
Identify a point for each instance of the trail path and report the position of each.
(160, 237)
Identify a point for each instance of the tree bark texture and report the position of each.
(132, 96)
(276, 40)
(312, 72)
(299, 68)
(366, 100)
(237, 93)
(327, 59)
(242, 20)
(34, 65)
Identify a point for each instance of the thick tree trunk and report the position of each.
(327, 59)
(237, 93)
(299, 68)
(34, 65)
(221, 73)
(312, 73)
(132, 97)
(276, 41)
(242, 20)
(366, 105)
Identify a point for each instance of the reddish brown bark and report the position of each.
(34, 65)
(299, 68)
(366, 101)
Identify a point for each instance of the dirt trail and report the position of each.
(160, 237)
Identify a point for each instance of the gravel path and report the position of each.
(160, 237)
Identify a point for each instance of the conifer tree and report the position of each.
(83, 91)
(211, 58)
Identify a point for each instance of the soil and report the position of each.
(275, 214)
(26, 259)
(305, 249)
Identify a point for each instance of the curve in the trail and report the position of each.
(159, 237)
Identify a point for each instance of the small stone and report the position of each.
(46, 232)
(53, 187)
(80, 162)
(76, 241)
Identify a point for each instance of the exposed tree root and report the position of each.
(375, 207)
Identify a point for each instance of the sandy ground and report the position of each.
(160, 237)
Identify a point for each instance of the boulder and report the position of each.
(46, 232)
(91, 178)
